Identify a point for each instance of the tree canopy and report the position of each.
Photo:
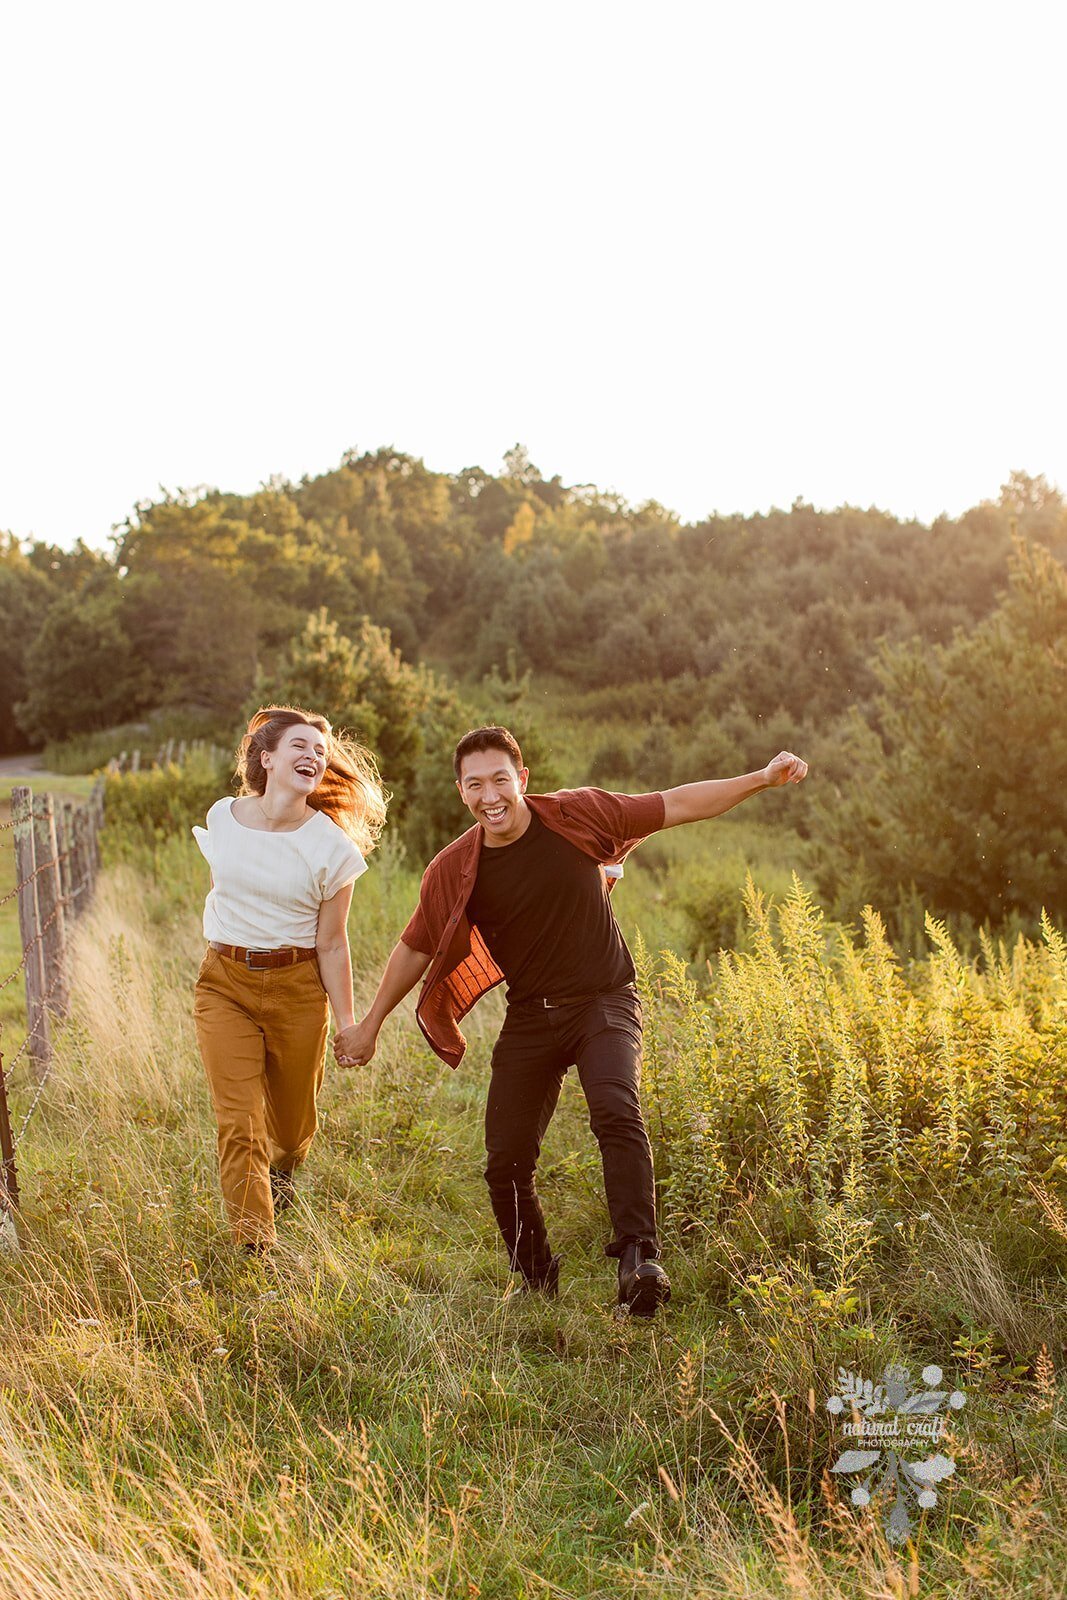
(696, 646)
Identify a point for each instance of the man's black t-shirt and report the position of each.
(541, 905)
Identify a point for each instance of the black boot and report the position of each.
(282, 1189)
(643, 1284)
(543, 1279)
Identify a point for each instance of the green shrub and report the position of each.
(88, 752)
(152, 806)
(817, 1060)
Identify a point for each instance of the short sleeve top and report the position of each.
(268, 887)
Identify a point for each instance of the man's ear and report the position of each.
(524, 778)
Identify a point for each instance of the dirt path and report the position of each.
(25, 765)
(13, 766)
(24, 768)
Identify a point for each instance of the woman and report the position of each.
(284, 857)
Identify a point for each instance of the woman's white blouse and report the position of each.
(269, 886)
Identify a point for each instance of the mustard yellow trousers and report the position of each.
(262, 1036)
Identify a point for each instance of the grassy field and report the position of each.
(376, 1412)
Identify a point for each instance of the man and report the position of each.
(522, 897)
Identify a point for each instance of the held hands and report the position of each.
(355, 1046)
(785, 768)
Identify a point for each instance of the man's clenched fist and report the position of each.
(785, 768)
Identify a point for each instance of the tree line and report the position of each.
(889, 648)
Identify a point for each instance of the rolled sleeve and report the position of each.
(618, 821)
(344, 873)
(639, 814)
(417, 935)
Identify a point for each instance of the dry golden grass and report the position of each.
(376, 1414)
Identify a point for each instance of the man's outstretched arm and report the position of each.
(355, 1046)
(698, 802)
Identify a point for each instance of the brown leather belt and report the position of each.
(260, 960)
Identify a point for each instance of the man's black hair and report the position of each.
(487, 739)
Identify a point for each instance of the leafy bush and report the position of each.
(82, 669)
(407, 716)
(954, 792)
(151, 806)
(712, 899)
(818, 1063)
(88, 752)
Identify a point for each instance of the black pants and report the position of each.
(602, 1038)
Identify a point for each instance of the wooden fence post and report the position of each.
(65, 839)
(40, 1039)
(79, 867)
(96, 818)
(50, 906)
(9, 1182)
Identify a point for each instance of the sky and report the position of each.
(721, 256)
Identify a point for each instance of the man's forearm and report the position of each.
(697, 802)
(402, 972)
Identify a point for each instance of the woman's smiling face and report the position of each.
(299, 759)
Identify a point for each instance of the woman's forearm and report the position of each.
(335, 968)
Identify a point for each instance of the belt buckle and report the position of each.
(248, 959)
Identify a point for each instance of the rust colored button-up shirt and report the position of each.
(605, 826)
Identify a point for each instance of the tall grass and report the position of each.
(817, 1061)
(377, 1413)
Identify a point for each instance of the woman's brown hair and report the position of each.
(351, 792)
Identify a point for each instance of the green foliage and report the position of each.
(82, 670)
(407, 716)
(90, 751)
(360, 684)
(378, 1412)
(957, 786)
(760, 613)
(711, 899)
(818, 1063)
(25, 593)
(151, 806)
(677, 651)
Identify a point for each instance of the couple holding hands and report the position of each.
(521, 897)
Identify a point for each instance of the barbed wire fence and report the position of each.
(56, 849)
(175, 751)
(56, 846)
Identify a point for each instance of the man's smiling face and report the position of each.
(492, 789)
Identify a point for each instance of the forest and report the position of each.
(921, 670)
